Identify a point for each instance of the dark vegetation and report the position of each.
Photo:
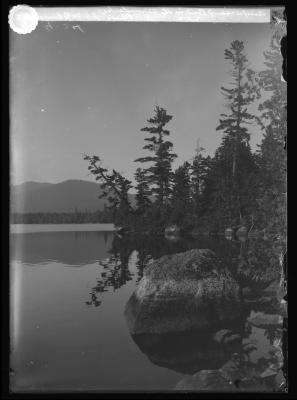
(76, 217)
(236, 187)
(251, 263)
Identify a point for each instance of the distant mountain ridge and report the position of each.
(66, 196)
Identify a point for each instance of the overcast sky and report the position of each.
(91, 90)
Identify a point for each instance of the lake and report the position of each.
(69, 288)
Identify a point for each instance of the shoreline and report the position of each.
(71, 227)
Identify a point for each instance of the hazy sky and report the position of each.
(75, 92)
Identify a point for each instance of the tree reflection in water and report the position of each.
(253, 263)
(116, 272)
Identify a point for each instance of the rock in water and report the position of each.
(181, 292)
(241, 231)
(261, 319)
(208, 380)
(232, 377)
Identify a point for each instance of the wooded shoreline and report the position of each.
(236, 188)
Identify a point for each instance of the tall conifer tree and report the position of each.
(143, 191)
(181, 201)
(199, 172)
(160, 172)
(243, 91)
(272, 179)
(234, 155)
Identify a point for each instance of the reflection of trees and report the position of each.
(247, 260)
(78, 235)
(115, 273)
(143, 259)
(151, 247)
(105, 237)
(252, 262)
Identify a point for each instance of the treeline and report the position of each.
(236, 187)
(76, 217)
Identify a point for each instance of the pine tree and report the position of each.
(115, 188)
(274, 108)
(272, 156)
(244, 92)
(181, 201)
(235, 151)
(143, 191)
(199, 172)
(160, 172)
(233, 195)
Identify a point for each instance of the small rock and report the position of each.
(231, 338)
(231, 371)
(260, 319)
(228, 231)
(280, 379)
(242, 231)
(218, 336)
(172, 230)
(270, 371)
(206, 380)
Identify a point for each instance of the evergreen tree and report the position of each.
(115, 189)
(199, 172)
(160, 172)
(234, 157)
(244, 92)
(143, 191)
(229, 198)
(272, 156)
(274, 108)
(181, 201)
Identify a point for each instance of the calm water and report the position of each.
(68, 328)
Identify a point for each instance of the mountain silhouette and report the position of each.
(66, 196)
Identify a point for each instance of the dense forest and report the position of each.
(235, 188)
(75, 217)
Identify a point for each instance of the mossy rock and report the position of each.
(189, 290)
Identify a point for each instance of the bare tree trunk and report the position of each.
(234, 161)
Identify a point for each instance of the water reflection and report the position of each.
(189, 352)
(256, 367)
(253, 263)
(68, 248)
(186, 352)
(250, 342)
(116, 267)
(116, 274)
(252, 355)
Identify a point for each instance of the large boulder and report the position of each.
(181, 292)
